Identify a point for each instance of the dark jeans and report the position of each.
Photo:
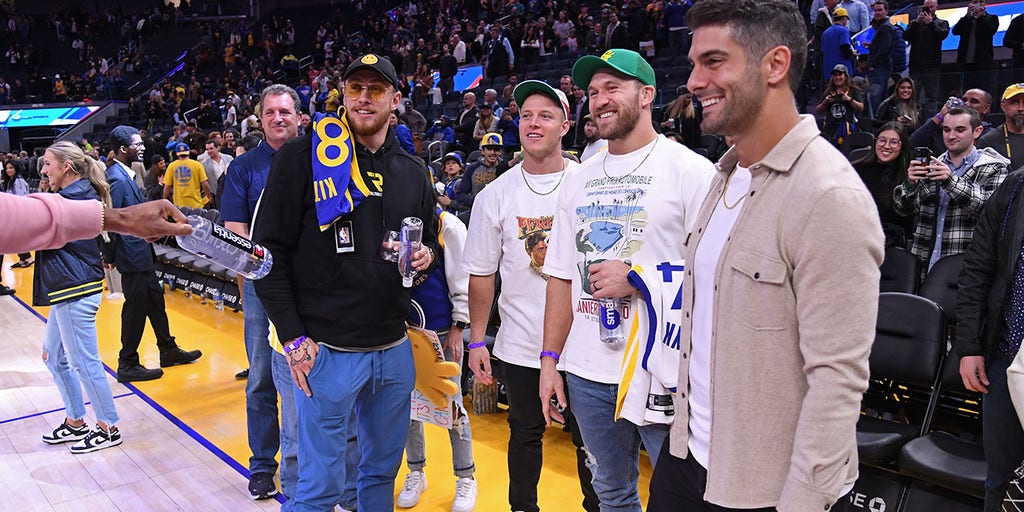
(1002, 434)
(143, 298)
(525, 443)
(678, 485)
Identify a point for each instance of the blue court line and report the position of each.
(27, 416)
(232, 463)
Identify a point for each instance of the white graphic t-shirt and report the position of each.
(615, 207)
(508, 234)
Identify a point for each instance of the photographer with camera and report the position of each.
(975, 54)
(930, 132)
(945, 194)
(925, 35)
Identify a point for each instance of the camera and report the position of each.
(954, 102)
(923, 154)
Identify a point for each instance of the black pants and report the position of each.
(678, 485)
(525, 444)
(143, 298)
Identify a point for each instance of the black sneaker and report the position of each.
(178, 356)
(98, 439)
(262, 486)
(138, 373)
(66, 433)
(242, 375)
(6, 290)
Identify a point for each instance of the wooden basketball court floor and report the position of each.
(184, 434)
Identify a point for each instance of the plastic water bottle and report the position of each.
(612, 330)
(204, 299)
(409, 242)
(218, 301)
(220, 245)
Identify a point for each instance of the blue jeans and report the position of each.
(260, 394)
(1002, 434)
(73, 357)
(375, 386)
(290, 439)
(878, 86)
(613, 446)
(460, 436)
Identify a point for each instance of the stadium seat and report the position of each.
(910, 341)
(940, 285)
(899, 271)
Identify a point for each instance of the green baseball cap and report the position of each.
(624, 61)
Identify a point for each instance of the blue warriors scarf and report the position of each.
(335, 168)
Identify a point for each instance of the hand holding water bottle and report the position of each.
(413, 256)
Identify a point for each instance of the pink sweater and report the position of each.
(45, 221)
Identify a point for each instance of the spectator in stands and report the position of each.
(819, 343)
(133, 257)
(616, 34)
(841, 103)
(901, 106)
(486, 122)
(674, 18)
(581, 262)
(412, 118)
(216, 164)
(930, 132)
(187, 179)
(925, 35)
(506, 92)
(822, 22)
(268, 370)
(682, 117)
(593, 143)
(857, 10)
(945, 215)
(508, 127)
(884, 168)
(499, 58)
(154, 182)
(402, 133)
(451, 175)
(975, 53)
(440, 131)
(230, 142)
(448, 66)
(13, 182)
(70, 280)
(491, 98)
(466, 121)
(990, 312)
(1014, 39)
(1008, 139)
(481, 173)
(836, 47)
(880, 56)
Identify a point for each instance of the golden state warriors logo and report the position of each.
(607, 55)
(369, 59)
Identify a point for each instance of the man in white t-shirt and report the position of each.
(508, 237)
(594, 143)
(635, 201)
(780, 295)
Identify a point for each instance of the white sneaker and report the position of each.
(465, 495)
(415, 484)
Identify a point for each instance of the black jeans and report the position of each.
(525, 443)
(678, 485)
(1002, 433)
(143, 298)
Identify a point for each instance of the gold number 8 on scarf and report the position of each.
(339, 141)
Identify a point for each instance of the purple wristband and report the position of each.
(295, 344)
(477, 344)
(548, 353)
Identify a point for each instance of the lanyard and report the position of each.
(1006, 139)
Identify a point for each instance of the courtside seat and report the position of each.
(941, 284)
(910, 341)
(942, 458)
(899, 271)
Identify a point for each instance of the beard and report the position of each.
(1017, 122)
(369, 127)
(626, 119)
(735, 113)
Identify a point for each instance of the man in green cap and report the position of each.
(634, 202)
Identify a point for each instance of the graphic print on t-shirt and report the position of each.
(611, 226)
(534, 232)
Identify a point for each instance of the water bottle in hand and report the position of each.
(220, 245)
(612, 330)
(409, 242)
